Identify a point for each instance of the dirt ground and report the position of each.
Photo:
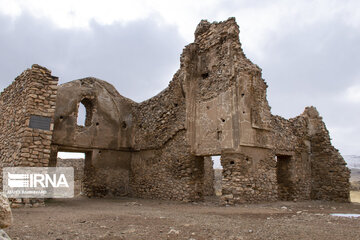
(127, 218)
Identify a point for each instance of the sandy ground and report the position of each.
(127, 218)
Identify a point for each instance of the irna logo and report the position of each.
(37, 180)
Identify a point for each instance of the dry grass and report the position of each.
(355, 196)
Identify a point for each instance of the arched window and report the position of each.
(85, 113)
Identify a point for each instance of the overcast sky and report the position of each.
(309, 50)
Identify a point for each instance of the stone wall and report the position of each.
(218, 176)
(249, 176)
(78, 165)
(291, 140)
(160, 118)
(209, 177)
(33, 93)
(105, 138)
(110, 125)
(215, 105)
(228, 114)
(107, 173)
(317, 170)
(226, 96)
(329, 174)
(170, 172)
(163, 167)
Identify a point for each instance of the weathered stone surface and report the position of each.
(215, 105)
(28, 95)
(209, 177)
(78, 165)
(5, 212)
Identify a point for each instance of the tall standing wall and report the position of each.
(27, 108)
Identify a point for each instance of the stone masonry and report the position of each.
(160, 148)
(78, 165)
(209, 177)
(33, 93)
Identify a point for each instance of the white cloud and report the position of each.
(352, 94)
(346, 139)
(69, 13)
(259, 21)
(10, 7)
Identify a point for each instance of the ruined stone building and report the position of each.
(214, 105)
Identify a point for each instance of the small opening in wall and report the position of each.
(219, 133)
(205, 75)
(124, 125)
(216, 161)
(97, 124)
(207, 107)
(61, 117)
(85, 112)
(81, 115)
(175, 104)
(232, 162)
(223, 120)
(243, 112)
(243, 94)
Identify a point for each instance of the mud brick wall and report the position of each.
(33, 93)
